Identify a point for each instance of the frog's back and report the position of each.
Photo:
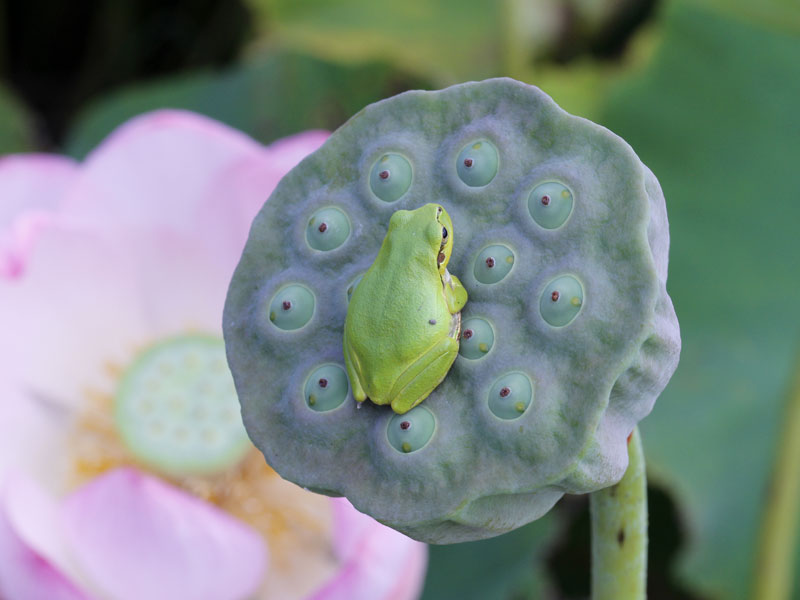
(406, 321)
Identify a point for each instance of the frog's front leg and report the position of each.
(353, 367)
(421, 378)
(455, 294)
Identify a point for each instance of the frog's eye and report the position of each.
(444, 233)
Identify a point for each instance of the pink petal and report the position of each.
(31, 189)
(31, 557)
(77, 309)
(33, 436)
(378, 563)
(159, 169)
(137, 537)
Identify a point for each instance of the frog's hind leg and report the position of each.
(419, 380)
(353, 368)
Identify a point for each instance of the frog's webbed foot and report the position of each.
(455, 294)
(412, 387)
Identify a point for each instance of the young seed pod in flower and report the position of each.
(560, 238)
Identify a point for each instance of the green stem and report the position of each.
(776, 553)
(619, 532)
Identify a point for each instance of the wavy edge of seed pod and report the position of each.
(628, 391)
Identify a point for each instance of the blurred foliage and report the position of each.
(507, 567)
(16, 128)
(267, 97)
(715, 116)
(448, 41)
(59, 55)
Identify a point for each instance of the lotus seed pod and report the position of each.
(561, 240)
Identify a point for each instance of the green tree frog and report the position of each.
(404, 318)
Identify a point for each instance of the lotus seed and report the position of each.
(477, 163)
(390, 177)
(493, 263)
(326, 388)
(411, 431)
(332, 231)
(477, 338)
(296, 304)
(565, 295)
(550, 204)
(510, 395)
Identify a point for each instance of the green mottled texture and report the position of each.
(593, 379)
(619, 532)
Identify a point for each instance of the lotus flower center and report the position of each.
(175, 413)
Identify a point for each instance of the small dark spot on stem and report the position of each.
(621, 537)
(432, 321)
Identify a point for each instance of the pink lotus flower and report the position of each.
(125, 472)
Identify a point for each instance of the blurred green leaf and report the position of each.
(15, 125)
(267, 97)
(716, 118)
(508, 567)
(411, 35)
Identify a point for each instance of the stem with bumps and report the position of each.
(619, 532)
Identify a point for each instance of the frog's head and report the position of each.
(432, 223)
